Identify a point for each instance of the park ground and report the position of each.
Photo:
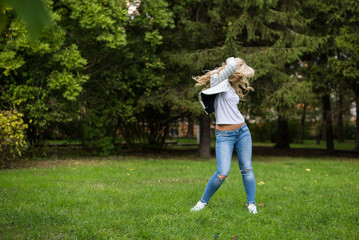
(149, 197)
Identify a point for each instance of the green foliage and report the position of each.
(264, 131)
(101, 21)
(339, 21)
(154, 115)
(108, 75)
(155, 15)
(9, 62)
(135, 76)
(97, 141)
(33, 12)
(270, 36)
(41, 78)
(12, 137)
(348, 43)
(72, 85)
(349, 131)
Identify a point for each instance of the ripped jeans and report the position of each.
(225, 142)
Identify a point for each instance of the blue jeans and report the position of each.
(225, 142)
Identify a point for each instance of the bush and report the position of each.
(12, 139)
(263, 131)
(97, 141)
(266, 131)
(349, 131)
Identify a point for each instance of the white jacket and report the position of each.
(219, 83)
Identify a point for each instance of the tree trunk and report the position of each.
(205, 137)
(302, 123)
(190, 128)
(327, 118)
(356, 91)
(282, 133)
(340, 119)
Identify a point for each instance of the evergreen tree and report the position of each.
(329, 64)
(269, 36)
(346, 62)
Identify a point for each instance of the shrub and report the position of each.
(349, 131)
(12, 139)
(263, 131)
(97, 141)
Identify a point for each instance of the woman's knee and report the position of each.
(222, 176)
(247, 171)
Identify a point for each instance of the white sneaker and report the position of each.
(252, 208)
(199, 206)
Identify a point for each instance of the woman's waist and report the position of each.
(228, 127)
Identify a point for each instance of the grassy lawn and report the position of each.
(191, 143)
(138, 198)
(348, 145)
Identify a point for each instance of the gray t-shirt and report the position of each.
(226, 109)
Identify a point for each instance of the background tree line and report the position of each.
(106, 76)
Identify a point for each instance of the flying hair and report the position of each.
(238, 80)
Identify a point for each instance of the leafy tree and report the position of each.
(98, 29)
(32, 12)
(39, 77)
(94, 70)
(148, 105)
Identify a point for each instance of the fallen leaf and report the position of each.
(261, 205)
(234, 237)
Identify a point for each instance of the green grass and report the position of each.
(132, 198)
(191, 143)
(348, 145)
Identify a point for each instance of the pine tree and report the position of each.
(269, 36)
(346, 62)
(334, 64)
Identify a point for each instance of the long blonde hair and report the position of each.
(238, 78)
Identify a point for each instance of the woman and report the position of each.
(222, 96)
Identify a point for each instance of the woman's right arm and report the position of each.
(229, 69)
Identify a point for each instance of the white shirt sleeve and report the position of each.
(228, 70)
(219, 76)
